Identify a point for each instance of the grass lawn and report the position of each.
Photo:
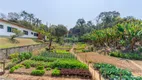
(5, 43)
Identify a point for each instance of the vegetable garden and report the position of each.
(55, 63)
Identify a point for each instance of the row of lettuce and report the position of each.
(59, 62)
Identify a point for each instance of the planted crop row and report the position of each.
(55, 55)
(111, 72)
(76, 72)
(126, 55)
(69, 64)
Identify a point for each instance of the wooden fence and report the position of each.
(5, 52)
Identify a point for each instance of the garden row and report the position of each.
(57, 62)
(111, 72)
(135, 56)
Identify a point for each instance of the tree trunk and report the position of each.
(50, 43)
(133, 41)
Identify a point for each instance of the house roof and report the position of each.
(13, 23)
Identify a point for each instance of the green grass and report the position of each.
(5, 42)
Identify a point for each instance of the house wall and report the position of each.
(3, 32)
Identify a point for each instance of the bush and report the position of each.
(48, 69)
(55, 72)
(40, 68)
(38, 72)
(13, 55)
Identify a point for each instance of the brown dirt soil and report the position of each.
(23, 74)
(132, 65)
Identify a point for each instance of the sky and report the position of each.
(67, 12)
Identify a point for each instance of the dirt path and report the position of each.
(132, 65)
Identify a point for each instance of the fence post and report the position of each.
(120, 75)
(99, 75)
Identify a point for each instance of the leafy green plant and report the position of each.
(27, 66)
(40, 68)
(38, 72)
(126, 55)
(56, 72)
(113, 73)
(48, 69)
(69, 64)
(14, 55)
(15, 68)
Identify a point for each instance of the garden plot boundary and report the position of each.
(95, 74)
(5, 52)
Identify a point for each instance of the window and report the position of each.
(25, 32)
(31, 32)
(35, 34)
(1, 26)
(9, 29)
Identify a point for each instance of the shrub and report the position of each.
(40, 68)
(38, 72)
(48, 69)
(55, 72)
(13, 55)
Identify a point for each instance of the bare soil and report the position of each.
(132, 65)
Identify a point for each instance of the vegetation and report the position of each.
(68, 64)
(56, 72)
(15, 68)
(111, 72)
(37, 72)
(135, 56)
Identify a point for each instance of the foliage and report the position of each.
(27, 66)
(61, 51)
(42, 58)
(69, 64)
(135, 56)
(40, 68)
(55, 55)
(13, 55)
(111, 72)
(15, 60)
(25, 55)
(76, 72)
(17, 32)
(48, 69)
(56, 72)
(37, 72)
(15, 68)
(33, 63)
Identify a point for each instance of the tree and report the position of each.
(13, 16)
(17, 34)
(106, 19)
(61, 30)
(2, 16)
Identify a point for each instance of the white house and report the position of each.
(6, 29)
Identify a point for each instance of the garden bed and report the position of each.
(49, 64)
